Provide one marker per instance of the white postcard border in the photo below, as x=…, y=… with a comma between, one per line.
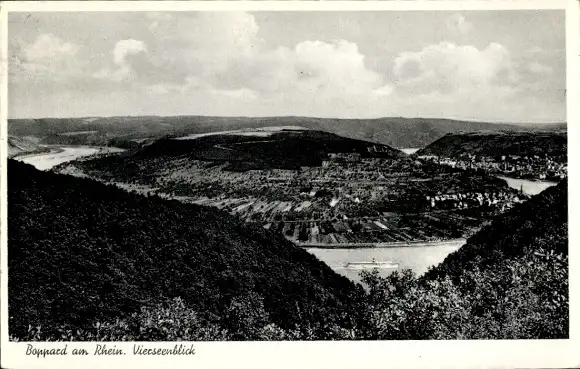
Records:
x=364, y=354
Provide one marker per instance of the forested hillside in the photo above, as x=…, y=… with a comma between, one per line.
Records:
x=82, y=252
x=286, y=149
x=540, y=223
x=495, y=144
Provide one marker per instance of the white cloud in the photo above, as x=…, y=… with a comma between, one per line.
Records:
x=48, y=56
x=472, y=83
x=216, y=63
x=385, y=90
x=124, y=48
x=48, y=46
x=124, y=69
x=335, y=67
x=448, y=68
x=312, y=68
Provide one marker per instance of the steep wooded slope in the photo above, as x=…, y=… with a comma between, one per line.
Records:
x=80, y=252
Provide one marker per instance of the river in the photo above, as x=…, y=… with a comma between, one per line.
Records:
x=527, y=186
x=62, y=154
x=416, y=258
x=410, y=151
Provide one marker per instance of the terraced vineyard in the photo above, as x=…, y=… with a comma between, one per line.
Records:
x=386, y=228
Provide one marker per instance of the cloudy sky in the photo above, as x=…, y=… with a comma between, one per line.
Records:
x=478, y=65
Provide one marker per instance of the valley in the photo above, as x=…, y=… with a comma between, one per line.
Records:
x=341, y=199
x=354, y=206
x=346, y=200
x=315, y=188
x=110, y=266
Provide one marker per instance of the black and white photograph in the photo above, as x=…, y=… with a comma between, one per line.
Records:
x=264, y=175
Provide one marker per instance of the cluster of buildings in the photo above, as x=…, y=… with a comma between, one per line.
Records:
x=500, y=200
x=345, y=182
x=529, y=167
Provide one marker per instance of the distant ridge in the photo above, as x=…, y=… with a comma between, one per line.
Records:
x=396, y=132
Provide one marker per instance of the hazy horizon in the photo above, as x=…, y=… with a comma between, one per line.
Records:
x=291, y=116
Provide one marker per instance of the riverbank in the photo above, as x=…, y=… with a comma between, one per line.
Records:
x=40, y=151
x=399, y=244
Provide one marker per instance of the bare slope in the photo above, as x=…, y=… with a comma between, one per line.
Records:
x=20, y=145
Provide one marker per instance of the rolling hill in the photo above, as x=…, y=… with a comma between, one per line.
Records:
x=123, y=131
x=118, y=253
x=261, y=149
x=487, y=143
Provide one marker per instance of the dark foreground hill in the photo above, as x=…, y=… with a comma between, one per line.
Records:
x=487, y=143
x=81, y=252
x=122, y=131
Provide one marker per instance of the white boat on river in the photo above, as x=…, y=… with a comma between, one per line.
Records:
x=349, y=262
x=371, y=265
